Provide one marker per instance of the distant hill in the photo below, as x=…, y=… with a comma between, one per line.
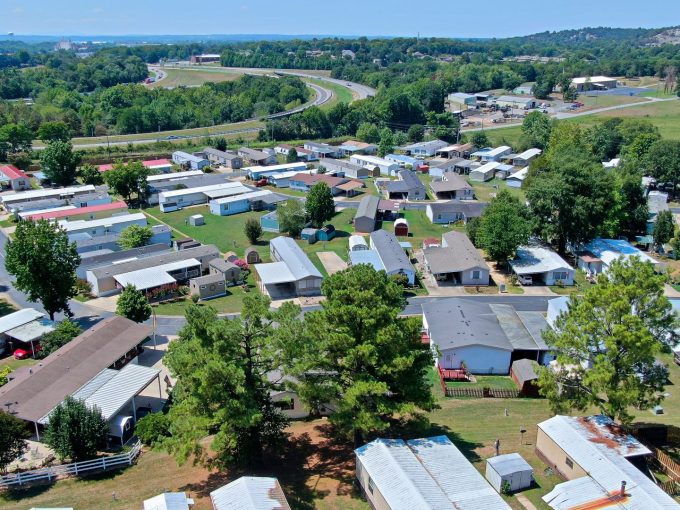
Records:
x=172, y=39
x=588, y=35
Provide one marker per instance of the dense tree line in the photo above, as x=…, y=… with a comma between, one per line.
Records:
x=63, y=70
x=133, y=108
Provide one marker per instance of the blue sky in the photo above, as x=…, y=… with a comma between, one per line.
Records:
x=453, y=18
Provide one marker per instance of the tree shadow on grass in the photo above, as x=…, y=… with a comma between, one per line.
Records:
x=31, y=491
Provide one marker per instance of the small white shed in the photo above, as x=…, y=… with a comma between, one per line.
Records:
x=510, y=468
x=357, y=243
x=196, y=220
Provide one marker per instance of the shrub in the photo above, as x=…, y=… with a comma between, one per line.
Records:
x=153, y=428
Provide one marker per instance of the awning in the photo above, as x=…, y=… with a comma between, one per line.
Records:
x=31, y=331
x=274, y=273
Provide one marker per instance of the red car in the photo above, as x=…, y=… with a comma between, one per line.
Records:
x=261, y=182
x=26, y=353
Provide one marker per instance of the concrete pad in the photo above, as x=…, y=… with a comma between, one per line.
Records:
x=108, y=303
x=331, y=262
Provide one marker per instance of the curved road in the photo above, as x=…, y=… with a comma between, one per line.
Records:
x=322, y=96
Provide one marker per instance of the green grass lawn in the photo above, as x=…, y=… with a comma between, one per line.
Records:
x=500, y=382
x=340, y=94
x=580, y=283
x=483, y=190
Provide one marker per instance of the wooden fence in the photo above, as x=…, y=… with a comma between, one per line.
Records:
x=481, y=392
x=49, y=474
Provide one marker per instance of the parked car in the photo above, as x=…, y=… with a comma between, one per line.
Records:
x=261, y=182
x=525, y=280
x=26, y=353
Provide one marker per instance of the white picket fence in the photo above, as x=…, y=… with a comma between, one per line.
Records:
x=76, y=468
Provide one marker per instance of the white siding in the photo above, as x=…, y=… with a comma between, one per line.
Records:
x=477, y=358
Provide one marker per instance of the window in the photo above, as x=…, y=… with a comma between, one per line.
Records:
x=560, y=275
x=202, y=286
x=569, y=463
x=371, y=486
x=475, y=275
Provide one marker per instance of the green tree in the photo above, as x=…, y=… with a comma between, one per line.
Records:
x=319, y=204
x=59, y=162
x=504, y=225
x=479, y=139
x=133, y=304
x=400, y=138
x=44, y=264
x=135, y=236
x=536, y=129
x=365, y=360
x=571, y=199
x=292, y=217
x=76, y=431
x=607, y=344
x=632, y=208
x=415, y=133
x=221, y=143
x=53, y=131
x=604, y=139
x=368, y=132
x=127, y=179
x=4, y=373
x=663, y=162
x=153, y=428
x=253, y=230
x=222, y=388
x=13, y=435
x=15, y=138
x=90, y=174
x=664, y=228
x=472, y=230
x=386, y=143
x=65, y=331
x=292, y=155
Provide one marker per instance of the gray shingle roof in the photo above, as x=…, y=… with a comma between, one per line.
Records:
x=459, y=255
x=523, y=370
x=220, y=154
x=156, y=260
x=453, y=182
x=391, y=253
x=470, y=208
x=368, y=207
x=407, y=182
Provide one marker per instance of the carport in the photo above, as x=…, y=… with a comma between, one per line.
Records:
x=276, y=280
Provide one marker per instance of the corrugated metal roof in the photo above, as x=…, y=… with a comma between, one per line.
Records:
x=31, y=330
x=609, y=250
x=601, y=450
x=253, y=195
x=154, y=276
x=369, y=257
x=400, y=477
x=113, y=395
x=45, y=193
x=297, y=261
x=534, y=259
x=173, y=176
x=509, y=463
x=274, y=273
x=463, y=485
x=221, y=187
x=517, y=333
x=169, y=501
x=95, y=383
x=74, y=226
x=19, y=318
x=250, y=493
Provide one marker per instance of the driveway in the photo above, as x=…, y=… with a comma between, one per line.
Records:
x=331, y=262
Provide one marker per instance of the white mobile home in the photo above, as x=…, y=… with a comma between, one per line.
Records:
x=485, y=172
x=543, y=265
x=189, y=160
x=371, y=162
x=103, y=226
x=176, y=199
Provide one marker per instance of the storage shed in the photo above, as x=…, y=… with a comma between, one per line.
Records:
x=401, y=227
x=357, y=243
x=208, y=286
x=309, y=235
x=196, y=220
x=511, y=469
x=523, y=373
x=326, y=233
x=252, y=256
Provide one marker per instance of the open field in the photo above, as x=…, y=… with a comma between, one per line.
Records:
x=593, y=102
x=193, y=78
x=665, y=115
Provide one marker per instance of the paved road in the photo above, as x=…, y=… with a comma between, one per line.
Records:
x=322, y=96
